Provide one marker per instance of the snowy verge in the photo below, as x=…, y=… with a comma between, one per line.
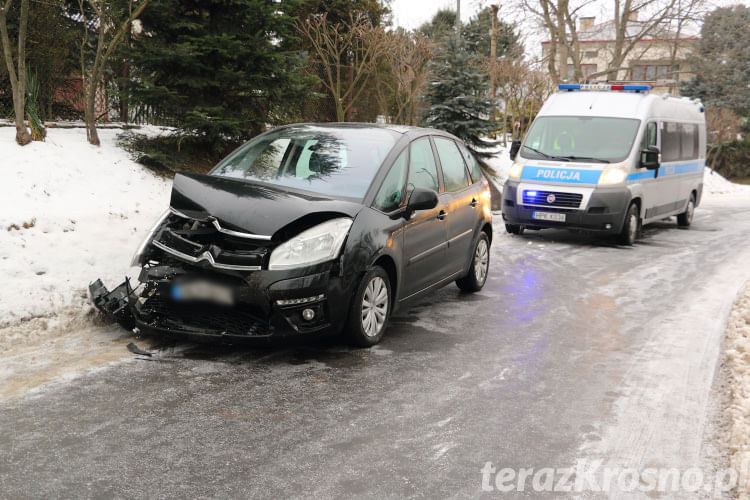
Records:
x=738, y=360
x=69, y=213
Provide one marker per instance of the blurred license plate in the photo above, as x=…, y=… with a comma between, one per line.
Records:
x=551, y=216
x=203, y=291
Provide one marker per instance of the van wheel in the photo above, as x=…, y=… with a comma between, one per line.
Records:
x=480, y=264
x=514, y=229
x=686, y=218
x=630, y=228
x=370, y=309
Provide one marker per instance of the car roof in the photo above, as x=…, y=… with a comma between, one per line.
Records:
x=400, y=129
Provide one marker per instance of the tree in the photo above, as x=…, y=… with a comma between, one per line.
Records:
x=400, y=84
x=722, y=61
x=222, y=70
x=112, y=21
x=17, y=67
x=348, y=54
x=457, y=97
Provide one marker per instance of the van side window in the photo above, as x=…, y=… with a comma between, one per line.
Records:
x=649, y=136
x=670, y=141
x=679, y=141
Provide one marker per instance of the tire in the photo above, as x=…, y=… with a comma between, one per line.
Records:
x=514, y=229
x=479, y=267
x=630, y=227
x=366, y=325
x=686, y=218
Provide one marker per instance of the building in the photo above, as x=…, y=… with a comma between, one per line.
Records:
x=650, y=61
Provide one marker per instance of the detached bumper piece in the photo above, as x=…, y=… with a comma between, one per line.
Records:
x=115, y=304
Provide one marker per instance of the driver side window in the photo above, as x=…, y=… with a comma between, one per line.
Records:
x=423, y=169
x=649, y=135
x=390, y=195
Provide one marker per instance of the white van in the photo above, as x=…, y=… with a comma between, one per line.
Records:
x=607, y=158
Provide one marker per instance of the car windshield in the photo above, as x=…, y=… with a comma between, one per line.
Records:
x=580, y=138
x=324, y=160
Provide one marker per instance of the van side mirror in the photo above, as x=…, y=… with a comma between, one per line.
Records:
x=514, y=147
x=421, y=199
x=650, y=158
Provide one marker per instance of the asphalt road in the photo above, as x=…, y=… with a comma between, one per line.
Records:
x=576, y=348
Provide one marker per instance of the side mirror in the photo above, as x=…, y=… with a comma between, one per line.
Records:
x=650, y=158
x=422, y=199
x=514, y=147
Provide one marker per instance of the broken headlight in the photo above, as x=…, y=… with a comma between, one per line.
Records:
x=313, y=246
x=137, y=259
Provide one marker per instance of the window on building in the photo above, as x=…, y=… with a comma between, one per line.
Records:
x=587, y=69
x=652, y=72
x=589, y=54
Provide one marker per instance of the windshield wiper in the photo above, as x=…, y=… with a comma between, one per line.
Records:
x=550, y=157
x=586, y=158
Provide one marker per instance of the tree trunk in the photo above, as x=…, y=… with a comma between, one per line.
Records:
x=17, y=79
x=89, y=113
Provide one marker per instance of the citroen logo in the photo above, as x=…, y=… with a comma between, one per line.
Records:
x=550, y=198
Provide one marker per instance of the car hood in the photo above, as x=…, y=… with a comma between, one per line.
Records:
x=250, y=207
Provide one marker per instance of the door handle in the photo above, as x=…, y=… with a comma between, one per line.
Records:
x=473, y=203
x=442, y=215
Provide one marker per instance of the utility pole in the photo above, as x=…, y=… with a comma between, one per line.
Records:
x=493, y=61
x=458, y=20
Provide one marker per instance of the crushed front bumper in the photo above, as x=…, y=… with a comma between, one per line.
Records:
x=267, y=305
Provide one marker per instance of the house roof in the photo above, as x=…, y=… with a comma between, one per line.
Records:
x=607, y=32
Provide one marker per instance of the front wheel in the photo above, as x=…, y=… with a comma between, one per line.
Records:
x=630, y=228
x=480, y=263
x=370, y=308
x=686, y=218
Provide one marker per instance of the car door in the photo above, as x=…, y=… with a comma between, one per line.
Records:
x=425, y=237
x=462, y=200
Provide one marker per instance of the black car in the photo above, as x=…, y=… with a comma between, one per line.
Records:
x=307, y=229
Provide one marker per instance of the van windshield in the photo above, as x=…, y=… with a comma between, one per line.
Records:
x=580, y=138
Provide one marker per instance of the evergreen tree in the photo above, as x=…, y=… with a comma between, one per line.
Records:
x=223, y=69
x=457, y=97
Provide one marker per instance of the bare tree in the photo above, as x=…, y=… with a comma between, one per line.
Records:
x=348, y=54
x=17, y=78
x=112, y=26
x=399, y=87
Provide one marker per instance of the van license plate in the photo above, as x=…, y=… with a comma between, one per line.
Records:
x=551, y=216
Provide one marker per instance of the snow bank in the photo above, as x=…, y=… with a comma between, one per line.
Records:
x=715, y=183
x=738, y=359
x=69, y=213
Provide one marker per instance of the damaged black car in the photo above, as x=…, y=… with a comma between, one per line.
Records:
x=310, y=229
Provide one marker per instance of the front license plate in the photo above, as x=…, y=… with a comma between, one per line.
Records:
x=550, y=216
x=203, y=291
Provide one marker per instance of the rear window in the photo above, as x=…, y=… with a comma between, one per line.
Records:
x=329, y=161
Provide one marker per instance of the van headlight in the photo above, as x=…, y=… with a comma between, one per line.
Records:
x=313, y=246
x=614, y=175
x=516, y=170
x=137, y=259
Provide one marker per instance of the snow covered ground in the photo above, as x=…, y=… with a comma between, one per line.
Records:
x=69, y=213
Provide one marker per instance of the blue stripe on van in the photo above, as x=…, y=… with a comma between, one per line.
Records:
x=668, y=170
x=567, y=175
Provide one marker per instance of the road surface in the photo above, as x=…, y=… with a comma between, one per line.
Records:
x=577, y=348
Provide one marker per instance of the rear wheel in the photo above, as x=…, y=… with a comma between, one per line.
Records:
x=514, y=228
x=480, y=264
x=686, y=218
x=370, y=308
x=630, y=228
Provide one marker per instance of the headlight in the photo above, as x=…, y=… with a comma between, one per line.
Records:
x=138, y=257
x=614, y=175
x=515, y=170
x=318, y=244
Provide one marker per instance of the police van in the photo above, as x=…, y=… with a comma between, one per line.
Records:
x=607, y=158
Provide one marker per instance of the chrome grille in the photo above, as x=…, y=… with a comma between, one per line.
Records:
x=552, y=198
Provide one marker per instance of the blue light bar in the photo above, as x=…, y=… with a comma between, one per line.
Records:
x=602, y=86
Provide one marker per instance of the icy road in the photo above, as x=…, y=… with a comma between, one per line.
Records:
x=576, y=349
